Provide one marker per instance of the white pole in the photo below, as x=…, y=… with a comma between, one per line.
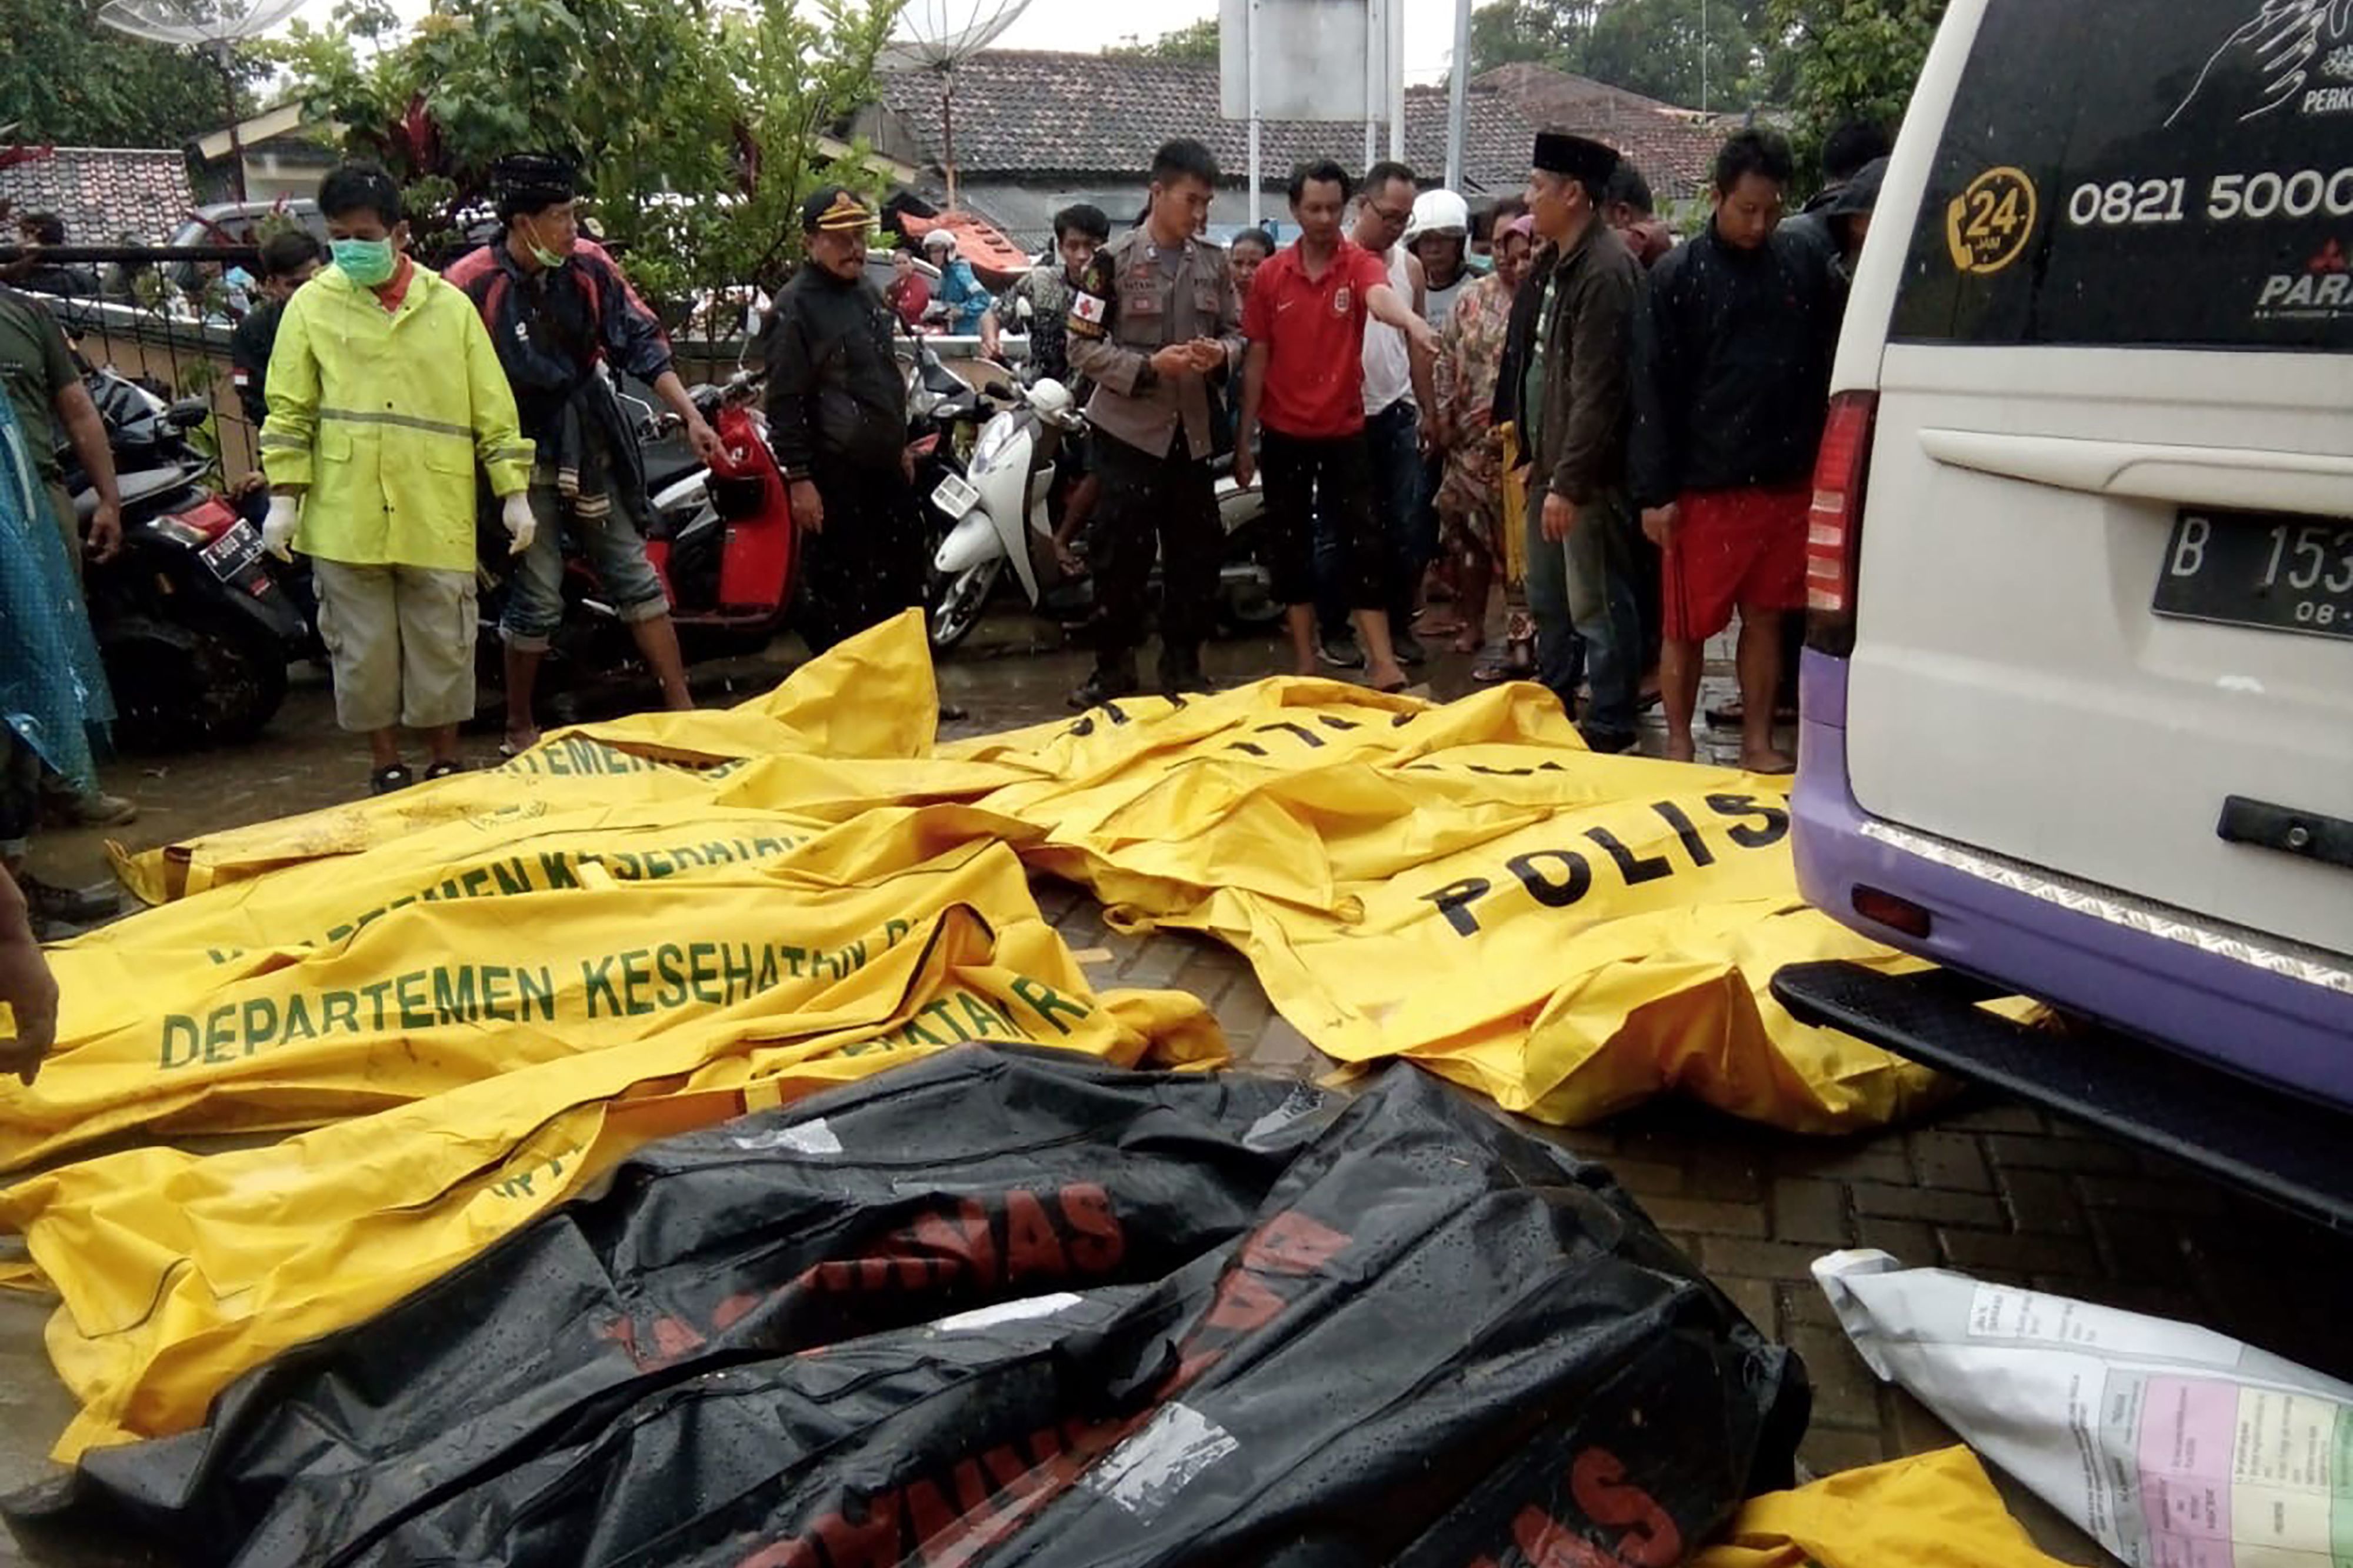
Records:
x=1458, y=96
x=1372, y=80
x=1249, y=46
x=1394, y=10
x=1703, y=56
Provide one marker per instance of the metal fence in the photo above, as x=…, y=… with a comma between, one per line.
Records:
x=169, y=326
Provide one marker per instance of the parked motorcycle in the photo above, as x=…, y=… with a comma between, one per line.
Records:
x=720, y=537
x=194, y=634
x=1007, y=487
x=996, y=513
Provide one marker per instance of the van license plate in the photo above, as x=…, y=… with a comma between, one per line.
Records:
x=953, y=497
x=2275, y=571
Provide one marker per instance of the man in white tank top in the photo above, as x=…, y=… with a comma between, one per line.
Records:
x=1398, y=388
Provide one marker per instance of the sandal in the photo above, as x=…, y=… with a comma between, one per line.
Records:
x=1732, y=714
x=443, y=770
x=1518, y=663
x=387, y=780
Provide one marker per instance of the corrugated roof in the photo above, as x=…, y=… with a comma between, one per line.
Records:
x=105, y=195
x=1031, y=115
x=1035, y=114
x=1674, y=148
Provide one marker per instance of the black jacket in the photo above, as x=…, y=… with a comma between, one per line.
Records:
x=1732, y=366
x=837, y=397
x=248, y=358
x=1579, y=450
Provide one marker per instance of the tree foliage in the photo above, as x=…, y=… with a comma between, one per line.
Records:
x=1649, y=47
x=66, y=78
x=1855, y=58
x=698, y=129
x=1196, y=43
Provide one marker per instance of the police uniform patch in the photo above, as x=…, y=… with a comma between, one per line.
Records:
x=1088, y=309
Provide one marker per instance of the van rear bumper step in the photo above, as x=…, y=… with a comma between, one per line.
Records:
x=2288, y=1149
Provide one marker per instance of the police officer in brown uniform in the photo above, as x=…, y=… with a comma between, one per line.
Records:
x=1156, y=326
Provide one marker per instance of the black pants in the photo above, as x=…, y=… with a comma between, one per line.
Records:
x=20, y=793
x=1148, y=508
x=868, y=564
x=1332, y=476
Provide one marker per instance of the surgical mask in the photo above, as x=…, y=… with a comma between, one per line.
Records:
x=367, y=262
x=551, y=260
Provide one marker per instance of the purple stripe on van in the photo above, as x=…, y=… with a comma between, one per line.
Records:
x=2272, y=1026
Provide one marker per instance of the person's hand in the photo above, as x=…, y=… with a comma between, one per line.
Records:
x=1659, y=522
x=26, y=986
x=1245, y=465
x=1559, y=516
x=1422, y=336
x=991, y=340
x=106, y=532
x=1067, y=557
x=254, y=480
x=703, y=438
x=808, y=507
x=278, y=526
x=1175, y=360
x=514, y=515
x=1480, y=421
x=1209, y=355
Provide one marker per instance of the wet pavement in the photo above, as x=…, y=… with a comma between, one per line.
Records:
x=1989, y=1186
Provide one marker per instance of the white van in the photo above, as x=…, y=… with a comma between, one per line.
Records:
x=2078, y=695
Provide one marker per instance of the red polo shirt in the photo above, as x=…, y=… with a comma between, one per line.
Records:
x=1314, y=331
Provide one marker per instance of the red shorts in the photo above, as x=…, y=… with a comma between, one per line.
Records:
x=1741, y=547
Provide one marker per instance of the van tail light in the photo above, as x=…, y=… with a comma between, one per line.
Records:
x=1834, y=522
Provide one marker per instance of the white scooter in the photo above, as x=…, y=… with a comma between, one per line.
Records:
x=996, y=508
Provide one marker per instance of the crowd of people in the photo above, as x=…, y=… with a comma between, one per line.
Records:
x=1613, y=429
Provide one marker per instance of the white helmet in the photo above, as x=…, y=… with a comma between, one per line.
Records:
x=1439, y=212
x=1052, y=400
x=939, y=240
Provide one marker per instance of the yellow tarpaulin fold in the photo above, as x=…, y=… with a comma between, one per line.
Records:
x=477, y=994
x=1933, y=1511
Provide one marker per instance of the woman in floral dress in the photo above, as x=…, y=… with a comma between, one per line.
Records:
x=1470, y=498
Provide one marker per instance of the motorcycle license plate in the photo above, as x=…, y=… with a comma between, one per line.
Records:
x=234, y=551
x=953, y=496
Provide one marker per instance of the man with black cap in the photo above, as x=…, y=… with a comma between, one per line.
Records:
x=1565, y=385
x=837, y=420
x=557, y=306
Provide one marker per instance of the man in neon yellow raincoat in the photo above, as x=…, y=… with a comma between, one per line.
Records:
x=384, y=391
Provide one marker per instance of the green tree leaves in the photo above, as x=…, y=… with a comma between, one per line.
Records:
x=698, y=127
x=69, y=79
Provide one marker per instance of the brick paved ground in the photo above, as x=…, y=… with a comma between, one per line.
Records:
x=1989, y=1185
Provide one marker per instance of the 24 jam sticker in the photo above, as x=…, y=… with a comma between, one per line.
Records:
x=1987, y=225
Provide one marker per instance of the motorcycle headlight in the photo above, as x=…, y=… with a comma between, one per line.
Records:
x=993, y=441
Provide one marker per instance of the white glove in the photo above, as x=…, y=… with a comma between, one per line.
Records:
x=521, y=527
x=278, y=526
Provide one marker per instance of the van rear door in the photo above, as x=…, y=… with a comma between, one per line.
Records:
x=2106, y=580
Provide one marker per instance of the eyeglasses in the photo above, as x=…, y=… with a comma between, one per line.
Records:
x=1395, y=217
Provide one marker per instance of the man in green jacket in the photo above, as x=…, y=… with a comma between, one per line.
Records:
x=384, y=391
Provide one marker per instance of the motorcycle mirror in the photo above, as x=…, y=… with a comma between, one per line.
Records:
x=188, y=413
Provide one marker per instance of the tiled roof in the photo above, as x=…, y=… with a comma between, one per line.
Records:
x=1674, y=148
x=105, y=195
x=1036, y=114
